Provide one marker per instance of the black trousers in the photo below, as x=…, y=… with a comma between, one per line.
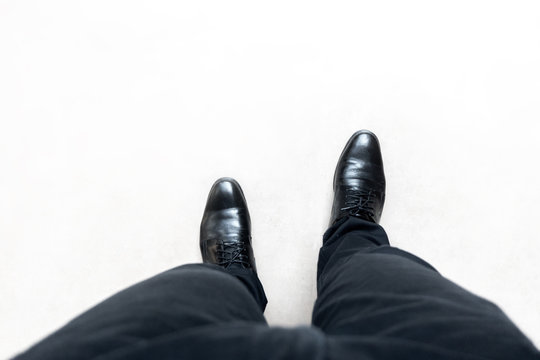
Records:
x=374, y=302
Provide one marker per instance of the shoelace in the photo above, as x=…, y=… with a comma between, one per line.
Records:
x=232, y=253
x=359, y=203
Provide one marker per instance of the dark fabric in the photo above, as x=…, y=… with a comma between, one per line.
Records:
x=386, y=303
x=251, y=282
x=374, y=302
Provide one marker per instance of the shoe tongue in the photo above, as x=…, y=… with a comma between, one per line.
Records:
x=364, y=216
x=235, y=266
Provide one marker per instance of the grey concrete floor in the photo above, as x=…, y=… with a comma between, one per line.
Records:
x=117, y=117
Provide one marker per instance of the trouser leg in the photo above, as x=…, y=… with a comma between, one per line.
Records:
x=188, y=297
x=379, y=301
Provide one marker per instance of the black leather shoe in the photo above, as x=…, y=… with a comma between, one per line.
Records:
x=359, y=183
x=226, y=227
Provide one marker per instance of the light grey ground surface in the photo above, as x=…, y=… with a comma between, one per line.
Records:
x=117, y=117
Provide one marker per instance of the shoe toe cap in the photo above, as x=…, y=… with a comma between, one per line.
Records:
x=361, y=159
x=364, y=145
x=226, y=193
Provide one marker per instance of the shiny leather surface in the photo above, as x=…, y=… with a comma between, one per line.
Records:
x=225, y=236
x=359, y=182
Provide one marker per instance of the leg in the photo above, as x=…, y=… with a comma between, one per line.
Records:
x=186, y=298
x=199, y=311
x=379, y=302
x=196, y=311
x=383, y=302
